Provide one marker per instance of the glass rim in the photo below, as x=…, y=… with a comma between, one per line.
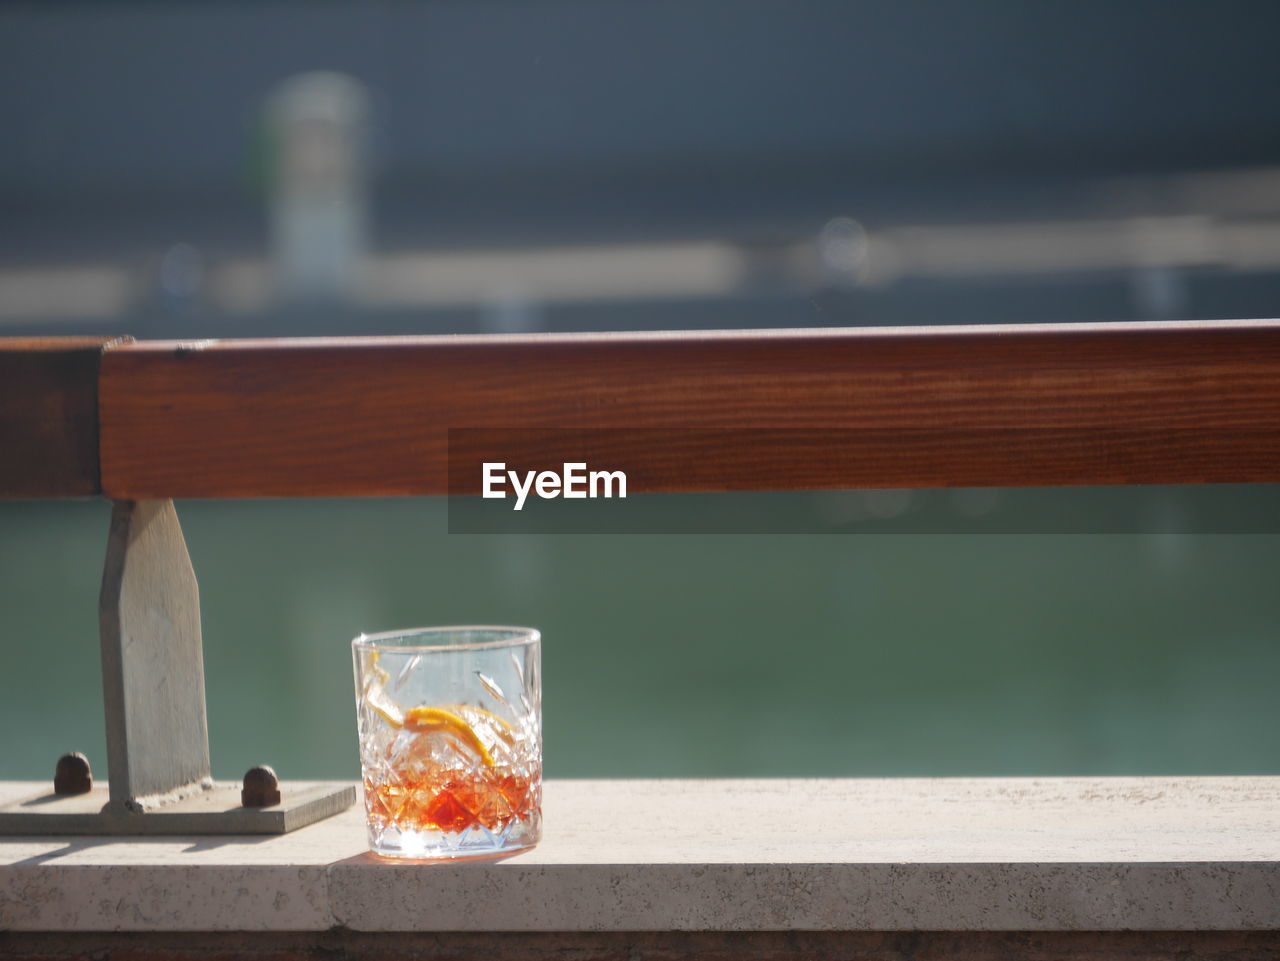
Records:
x=522, y=637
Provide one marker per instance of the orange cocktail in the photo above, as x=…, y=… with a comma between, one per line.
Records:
x=459, y=779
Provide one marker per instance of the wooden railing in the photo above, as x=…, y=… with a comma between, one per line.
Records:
x=876, y=407
x=1134, y=403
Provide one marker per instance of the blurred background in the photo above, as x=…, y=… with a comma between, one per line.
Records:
x=219, y=169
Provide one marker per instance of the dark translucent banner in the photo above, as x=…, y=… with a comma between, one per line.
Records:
x=724, y=481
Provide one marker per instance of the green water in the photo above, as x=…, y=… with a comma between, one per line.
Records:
x=709, y=655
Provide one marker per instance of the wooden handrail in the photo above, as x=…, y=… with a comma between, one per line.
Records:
x=49, y=416
x=890, y=407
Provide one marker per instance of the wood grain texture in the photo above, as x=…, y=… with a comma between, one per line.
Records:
x=49, y=416
x=949, y=406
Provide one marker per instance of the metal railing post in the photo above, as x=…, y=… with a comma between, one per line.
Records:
x=153, y=693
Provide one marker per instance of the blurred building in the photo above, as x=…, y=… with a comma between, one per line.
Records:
x=552, y=164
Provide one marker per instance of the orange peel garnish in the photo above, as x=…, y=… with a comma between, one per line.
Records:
x=383, y=713
x=502, y=727
x=423, y=719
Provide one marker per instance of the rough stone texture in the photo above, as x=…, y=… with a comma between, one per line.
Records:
x=1174, y=854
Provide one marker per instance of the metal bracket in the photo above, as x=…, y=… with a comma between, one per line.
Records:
x=153, y=691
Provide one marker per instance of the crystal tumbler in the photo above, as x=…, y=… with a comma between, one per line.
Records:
x=450, y=723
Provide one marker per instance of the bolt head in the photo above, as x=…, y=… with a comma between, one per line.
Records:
x=261, y=788
x=72, y=775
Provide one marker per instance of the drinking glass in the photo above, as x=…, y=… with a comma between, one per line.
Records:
x=450, y=722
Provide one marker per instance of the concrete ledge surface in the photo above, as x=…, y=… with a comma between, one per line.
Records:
x=341, y=945
x=1070, y=854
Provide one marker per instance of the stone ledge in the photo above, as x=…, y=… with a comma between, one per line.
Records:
x=648, y=946
x=1087, y=854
